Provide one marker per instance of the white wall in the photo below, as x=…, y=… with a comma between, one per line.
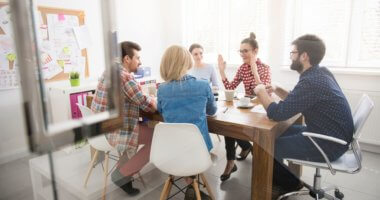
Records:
x=154, y=25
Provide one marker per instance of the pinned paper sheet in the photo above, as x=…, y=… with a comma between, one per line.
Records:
x=5, y=23
x=66, y=50
x=61, y=63
x=82, y=35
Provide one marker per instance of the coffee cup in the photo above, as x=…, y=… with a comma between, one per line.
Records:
x=229, y=95
x=244, y=101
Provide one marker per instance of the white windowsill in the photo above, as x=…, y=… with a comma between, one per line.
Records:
x=346, y=71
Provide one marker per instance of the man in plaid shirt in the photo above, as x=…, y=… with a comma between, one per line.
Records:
x=127, y=139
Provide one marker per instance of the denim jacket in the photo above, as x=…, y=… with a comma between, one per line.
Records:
x=187, y=101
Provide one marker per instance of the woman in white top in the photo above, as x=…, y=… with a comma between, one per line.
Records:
x=202, y=70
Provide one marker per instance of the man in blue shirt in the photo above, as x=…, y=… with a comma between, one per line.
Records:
x=321, y=101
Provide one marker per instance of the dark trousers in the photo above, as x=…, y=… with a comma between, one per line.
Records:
x=230, y=146
x=292, y=144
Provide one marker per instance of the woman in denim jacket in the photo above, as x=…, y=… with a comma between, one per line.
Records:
x=182, y=98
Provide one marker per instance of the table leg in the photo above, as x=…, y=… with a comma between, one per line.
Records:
x=262, y=167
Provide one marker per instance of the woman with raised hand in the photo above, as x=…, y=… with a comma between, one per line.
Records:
x=252, y=72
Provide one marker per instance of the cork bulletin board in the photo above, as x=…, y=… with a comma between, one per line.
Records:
x=60, y=52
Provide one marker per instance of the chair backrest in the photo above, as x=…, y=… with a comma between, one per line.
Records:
x=99, y=142
x=361, y=113
x=179, y=149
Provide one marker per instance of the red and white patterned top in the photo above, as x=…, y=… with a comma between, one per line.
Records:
x=244, y=74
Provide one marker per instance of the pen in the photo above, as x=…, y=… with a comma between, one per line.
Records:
x=225, y=110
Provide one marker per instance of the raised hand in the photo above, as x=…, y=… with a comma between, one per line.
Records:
x=253, y=60
x=221, y=63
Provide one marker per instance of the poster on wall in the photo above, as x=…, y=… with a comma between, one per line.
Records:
x=8, y=61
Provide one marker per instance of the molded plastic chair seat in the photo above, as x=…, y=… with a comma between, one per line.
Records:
x=179, y=149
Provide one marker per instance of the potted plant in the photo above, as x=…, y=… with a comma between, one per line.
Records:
x=74, y=79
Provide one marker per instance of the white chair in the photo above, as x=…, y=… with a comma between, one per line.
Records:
x=100, y=144
x=350, y=162
x=178, y=149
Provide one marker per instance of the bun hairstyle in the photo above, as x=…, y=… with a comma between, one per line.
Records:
x=251, y=40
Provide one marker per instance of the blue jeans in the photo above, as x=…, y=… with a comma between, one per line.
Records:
x=292, y=144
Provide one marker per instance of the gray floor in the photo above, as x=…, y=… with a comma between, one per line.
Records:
x=15, y=182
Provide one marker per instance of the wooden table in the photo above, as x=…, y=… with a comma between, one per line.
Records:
x=252, y=126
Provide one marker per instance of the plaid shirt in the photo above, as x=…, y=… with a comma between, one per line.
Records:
x=125, y=138
x=245, y=74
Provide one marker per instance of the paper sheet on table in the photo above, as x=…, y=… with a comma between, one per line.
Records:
x=259, y=109
x=82, y=36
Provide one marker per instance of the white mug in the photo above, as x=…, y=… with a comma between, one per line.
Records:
x=244, y=101
x=229, y=95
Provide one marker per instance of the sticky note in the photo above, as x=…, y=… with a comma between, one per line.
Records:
x=61, y=17
x=11, y=56
x=66, y=50
x=61, y=63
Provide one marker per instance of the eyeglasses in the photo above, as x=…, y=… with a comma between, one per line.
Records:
x=293, y=52
x=244, y=51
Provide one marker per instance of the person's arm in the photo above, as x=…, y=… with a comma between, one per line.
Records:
x=298, y=100
x=133, y=92
x=281, y=92
x=263, y=95
x=235, y=82
x=210, y=105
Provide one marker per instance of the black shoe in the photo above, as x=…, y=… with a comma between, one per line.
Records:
x=225, y=177
x=243, y=157
x=124, y=182
x=190, y=193
x=204, y=196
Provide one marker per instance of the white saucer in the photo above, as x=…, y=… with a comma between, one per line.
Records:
x=250, y=105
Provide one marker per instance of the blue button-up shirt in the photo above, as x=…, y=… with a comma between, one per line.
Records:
x=187, y=101
x=321, y=101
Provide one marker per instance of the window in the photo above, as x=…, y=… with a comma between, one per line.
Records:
x=350, y=29
x=220, y=25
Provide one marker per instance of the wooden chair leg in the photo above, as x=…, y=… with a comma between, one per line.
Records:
x=196, y=188
x=169, y=186
x=164, y=190
x=207, y=186
x=141, y=179
x=90, y=167
x=105, y=176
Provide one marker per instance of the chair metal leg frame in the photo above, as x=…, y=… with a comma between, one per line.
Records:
x=196, y=183
x=316, y=191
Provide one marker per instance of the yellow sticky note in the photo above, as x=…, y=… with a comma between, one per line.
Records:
x=66, y=50
x=61, y=63
x=11, y=56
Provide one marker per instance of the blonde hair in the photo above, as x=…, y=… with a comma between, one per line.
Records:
x=175, y=62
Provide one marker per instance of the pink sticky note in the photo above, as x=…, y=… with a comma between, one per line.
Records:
x=61, y=17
